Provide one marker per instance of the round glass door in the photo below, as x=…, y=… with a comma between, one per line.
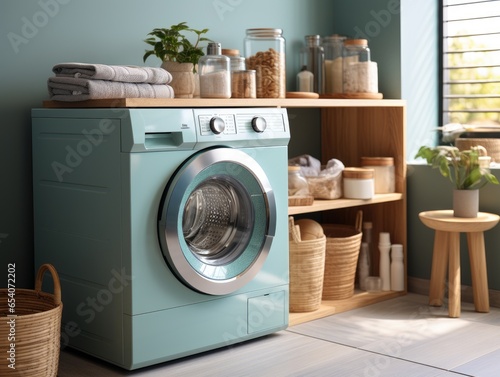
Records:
x=217, y=221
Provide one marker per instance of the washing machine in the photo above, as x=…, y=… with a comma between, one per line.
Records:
x=167, y=227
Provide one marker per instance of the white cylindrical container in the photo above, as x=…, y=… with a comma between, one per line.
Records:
x=397, y=268
x=305, y=80
x=363, y=266
x=358, y=183
x=384, y=246
x=384, y=173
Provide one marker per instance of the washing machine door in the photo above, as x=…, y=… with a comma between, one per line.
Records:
x=217, y=221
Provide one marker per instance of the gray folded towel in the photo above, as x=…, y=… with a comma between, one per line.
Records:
x=120, y=73
x=76, y=89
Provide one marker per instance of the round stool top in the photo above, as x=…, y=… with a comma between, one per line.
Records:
x=445, y=221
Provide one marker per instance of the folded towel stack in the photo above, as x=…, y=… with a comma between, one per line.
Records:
x=80, y=82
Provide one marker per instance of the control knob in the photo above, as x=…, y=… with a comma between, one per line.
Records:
x=217, y=125
x=259, y=124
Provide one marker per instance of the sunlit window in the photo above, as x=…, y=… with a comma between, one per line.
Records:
x=471, y=62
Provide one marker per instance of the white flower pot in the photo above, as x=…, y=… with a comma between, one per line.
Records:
x=465, y=203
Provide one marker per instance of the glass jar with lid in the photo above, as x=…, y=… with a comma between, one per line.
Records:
x=214, y=71
x=313, y=57
x=360, y=74
x=265, y=53
x=297, y=184
x=384, y=173
x=237, y=61
x=333, y=46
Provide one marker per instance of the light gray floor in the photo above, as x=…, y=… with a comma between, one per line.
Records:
x=399, y=337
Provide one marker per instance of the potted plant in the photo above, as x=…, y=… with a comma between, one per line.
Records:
x=178, y=55
x=468, y=170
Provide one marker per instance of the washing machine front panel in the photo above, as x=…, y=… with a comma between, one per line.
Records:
x=217, y=221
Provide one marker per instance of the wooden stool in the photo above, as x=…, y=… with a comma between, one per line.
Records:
x=447, y=253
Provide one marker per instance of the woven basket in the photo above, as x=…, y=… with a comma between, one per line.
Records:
x=35, y=323
x=307, y=263
x=343, y=243
x=492, y=146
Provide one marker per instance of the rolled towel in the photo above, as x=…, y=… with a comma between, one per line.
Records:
x=74, y=89
x=120, y=73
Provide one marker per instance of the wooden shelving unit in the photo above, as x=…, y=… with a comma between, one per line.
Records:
x=350, y=129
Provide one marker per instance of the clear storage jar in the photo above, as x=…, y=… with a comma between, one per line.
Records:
x=265, y=53
x=313, y=57
x=384, y=173
x=297, y=184
x=360, y=74
x=237, y=62
x=333, y=46
x=214, y=71
x=358, y=183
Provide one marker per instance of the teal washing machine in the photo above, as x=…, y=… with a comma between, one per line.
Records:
x=167, y=226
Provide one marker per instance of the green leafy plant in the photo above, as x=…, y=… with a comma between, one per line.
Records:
x=171, y=44
x=462, y=167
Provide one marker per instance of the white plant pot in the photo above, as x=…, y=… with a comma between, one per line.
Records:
x=465, y=203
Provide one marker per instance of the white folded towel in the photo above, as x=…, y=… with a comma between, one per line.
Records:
x=120, y=73
x=77, y=89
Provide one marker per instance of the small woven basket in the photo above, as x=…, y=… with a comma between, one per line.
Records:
x=30, y=330
x=307, y=263
x=343, y=243
x=492, y=146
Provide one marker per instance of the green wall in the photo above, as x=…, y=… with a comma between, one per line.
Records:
x=36, y=34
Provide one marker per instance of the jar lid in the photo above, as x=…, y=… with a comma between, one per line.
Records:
x=230, y=52
x=334, y=38
x=264, y=32
x=358, y=173
x=377, y=161
x=356, y=42
x=214, y=48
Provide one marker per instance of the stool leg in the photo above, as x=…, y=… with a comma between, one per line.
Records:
x=438, y=271
x=454, y=275
x=478, y=271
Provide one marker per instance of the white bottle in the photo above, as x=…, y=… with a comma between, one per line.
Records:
x=305, y=80
x=397, y=268
x=367, y=237
x=363, y=266
x=384, y=247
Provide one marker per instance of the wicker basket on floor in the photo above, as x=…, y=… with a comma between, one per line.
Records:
x=30, y=329
x=307, y=262
x=343, y=243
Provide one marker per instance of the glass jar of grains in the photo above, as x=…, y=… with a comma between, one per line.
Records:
x=359, y=73
x=265, y=53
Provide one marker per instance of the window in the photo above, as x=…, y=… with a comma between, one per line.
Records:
x=471, y=62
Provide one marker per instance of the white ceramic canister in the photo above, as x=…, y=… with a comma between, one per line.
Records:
x=358, y=183
x=384, y=173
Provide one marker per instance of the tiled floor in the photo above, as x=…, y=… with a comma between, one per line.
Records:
x=399, y=337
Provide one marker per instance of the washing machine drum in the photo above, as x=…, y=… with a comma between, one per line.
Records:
x=217, y=221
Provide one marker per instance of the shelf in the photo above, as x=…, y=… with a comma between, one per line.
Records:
x=218, y=102
x=325, y=205
x=330, y=307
